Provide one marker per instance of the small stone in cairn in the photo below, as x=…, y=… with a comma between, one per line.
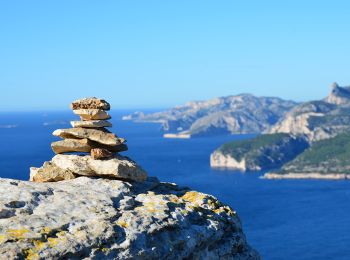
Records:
x=92, y=114
x=71, y=145
x=100, y=153
x=100, y=136
x=90, y=103
x=91, y=124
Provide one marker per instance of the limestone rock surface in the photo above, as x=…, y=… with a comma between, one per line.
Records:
x=88, y=218
x=92, y=114
x=318, y=119
x=91, y=134
x=115, y=167
x=220, y=160
x=71, y=145
x=99, y=153
x=90, y=103
x=91, y=124
x=83, y=145
x=49, y=172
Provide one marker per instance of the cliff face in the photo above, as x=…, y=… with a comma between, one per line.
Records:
x=111, y=219
x=233, y=114
x=339, y=95
x=260, y=153
x=318, y=120
x=325, y=159
x=220, y=160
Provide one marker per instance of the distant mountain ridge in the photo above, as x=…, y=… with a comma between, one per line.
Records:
x=240, y=114
x=320, y=119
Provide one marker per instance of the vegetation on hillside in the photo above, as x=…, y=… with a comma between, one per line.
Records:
x=266, y=151
x=325, y=156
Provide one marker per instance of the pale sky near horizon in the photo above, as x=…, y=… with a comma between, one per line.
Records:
x=144, y=54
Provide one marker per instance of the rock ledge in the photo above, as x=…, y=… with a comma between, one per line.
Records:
x=110, y=219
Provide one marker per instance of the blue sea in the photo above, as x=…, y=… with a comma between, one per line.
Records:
x=282, y=219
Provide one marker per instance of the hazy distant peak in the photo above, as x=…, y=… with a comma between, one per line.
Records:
x=319, y=119
x=334, y=85
x=243, y=113
x=338, y=95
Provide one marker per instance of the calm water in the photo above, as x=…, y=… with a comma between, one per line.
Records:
x=293, y=219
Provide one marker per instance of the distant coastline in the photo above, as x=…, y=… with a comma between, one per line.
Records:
x=8, y=126
x=179, y=136
x=306, y=175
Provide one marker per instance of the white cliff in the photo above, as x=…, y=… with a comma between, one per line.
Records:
x=220, y=160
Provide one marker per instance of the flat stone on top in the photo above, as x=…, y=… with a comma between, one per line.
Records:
x=90, y=103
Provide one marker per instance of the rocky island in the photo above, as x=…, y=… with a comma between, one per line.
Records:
x=260, y=153
x=239, y=114
x=97, y=204
x=322, y=125
x=325, y=159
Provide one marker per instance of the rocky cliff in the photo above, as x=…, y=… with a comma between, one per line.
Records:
x=325, y=159
x=260, y=153
x=320, y=119
x=95, y=218
x=233, y=114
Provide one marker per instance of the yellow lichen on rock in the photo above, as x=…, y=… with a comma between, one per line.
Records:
x=39, y=245
x=150, y=206
x=194, y=197
x=52, y=241
x=122, y=223
x=174, y=199
x=17, y=233
x=31, y=254
x=3, y=239
x=45, y=230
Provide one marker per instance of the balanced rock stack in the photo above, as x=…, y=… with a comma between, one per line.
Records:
x=89, y=135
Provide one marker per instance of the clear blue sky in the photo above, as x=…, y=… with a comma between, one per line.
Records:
x=163, y=53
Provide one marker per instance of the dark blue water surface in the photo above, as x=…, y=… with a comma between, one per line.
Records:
x=283, y=219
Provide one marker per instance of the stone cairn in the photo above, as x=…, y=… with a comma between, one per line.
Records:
x=89, y=135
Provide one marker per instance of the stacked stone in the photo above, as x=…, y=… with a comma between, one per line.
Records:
x=89, y=135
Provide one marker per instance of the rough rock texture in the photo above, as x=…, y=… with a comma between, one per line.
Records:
x=49, y=172
x=71, y=145
x=98, y=136
x=232, y=114
x=260, y=153
x=99, y=153
x=109, y=219
x=90, y=103
x=91, y=124
x=92, y=114
x=112, y=148
x=83, y=145
x=220, y=160
x=116, y=167
x=339, y=95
